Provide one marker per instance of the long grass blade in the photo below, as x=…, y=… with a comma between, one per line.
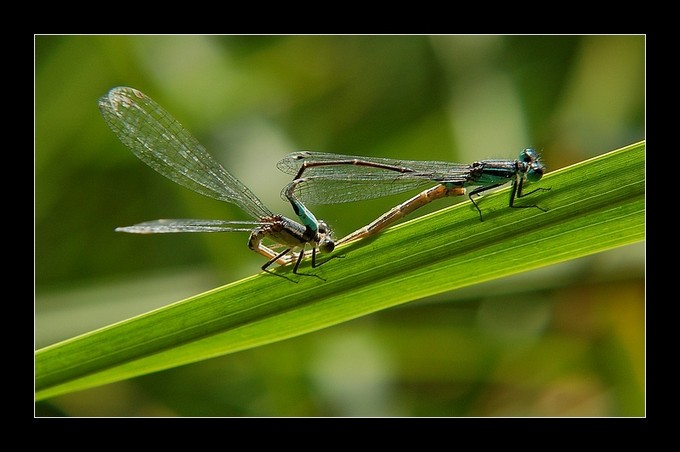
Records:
x=593, y=206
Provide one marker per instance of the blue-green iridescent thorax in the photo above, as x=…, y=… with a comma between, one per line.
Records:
x=490, y=172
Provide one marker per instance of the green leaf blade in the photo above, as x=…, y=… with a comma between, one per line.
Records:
x=592, y=206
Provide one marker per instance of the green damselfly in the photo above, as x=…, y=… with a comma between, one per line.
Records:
x=161, y=142
x=324, y=178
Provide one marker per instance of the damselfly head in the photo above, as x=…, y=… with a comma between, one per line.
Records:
x=535, y=172
x=326, y=244
x=535, y=167
x=528, y=155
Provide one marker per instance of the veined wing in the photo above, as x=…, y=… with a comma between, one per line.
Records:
x=161, y=142
x=333, y=190
x=190, y=225
x=336, y=178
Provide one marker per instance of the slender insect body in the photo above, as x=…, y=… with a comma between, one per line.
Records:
x=160, y=141
x=336, y=178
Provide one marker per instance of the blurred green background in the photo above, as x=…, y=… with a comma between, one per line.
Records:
x=567, y=340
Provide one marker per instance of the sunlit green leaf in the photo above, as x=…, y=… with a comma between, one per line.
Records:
x=592, y=206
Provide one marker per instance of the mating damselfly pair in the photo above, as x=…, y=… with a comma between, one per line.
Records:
x=160, y=141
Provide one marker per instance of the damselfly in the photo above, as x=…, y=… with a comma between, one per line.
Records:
x=323, y=178
x=161, y=142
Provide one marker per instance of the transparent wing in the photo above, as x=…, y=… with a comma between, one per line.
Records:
x=332, y=190
x=161, y=142
x=327, y=164
x=188, y=225
x=336, y=178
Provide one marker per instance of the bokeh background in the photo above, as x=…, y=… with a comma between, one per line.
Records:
x=567, y=340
